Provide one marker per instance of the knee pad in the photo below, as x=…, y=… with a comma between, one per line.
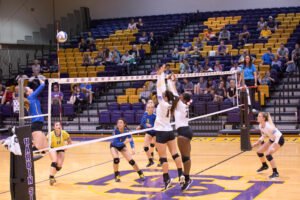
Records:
x=146, y=149
x=260, y=155
x=152, y=145
x=58, y=168
x=163, y=160
x=132, y=162
x=54, y=165
x=269, y=157
x=116, y=160
x=175, y=156
x=185, y=159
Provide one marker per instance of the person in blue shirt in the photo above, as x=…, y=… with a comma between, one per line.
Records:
x=86, y=88
x=38, y=137
x=249, y=74
x=268, y=57
x=119, y=145
x=147, y=121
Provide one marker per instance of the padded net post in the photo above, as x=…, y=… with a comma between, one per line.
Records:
x=22, y=179
x=21, y=99
x=245, y=124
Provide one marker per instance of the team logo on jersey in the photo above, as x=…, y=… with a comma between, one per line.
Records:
x=234, y=187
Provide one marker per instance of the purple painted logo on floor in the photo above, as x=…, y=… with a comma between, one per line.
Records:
x=207, y=183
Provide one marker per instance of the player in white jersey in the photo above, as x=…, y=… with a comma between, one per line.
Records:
x=180, y=109
x=165, y=136
x=276, y=140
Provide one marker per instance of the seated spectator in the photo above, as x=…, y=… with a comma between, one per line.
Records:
x=186, y=45
x=188, y=86
x=268, y=57
x=196, y=53
x=207, y=66
x=91, y=46
x=261, y=24
x=82, y=45
x=56, y=95
x=144, y=38
x=115, y=56
x=235, y=66
x=209, y=35
x=185, y=67
x=220, y=92
x=134, y=52
x=152, y=40
x=200, y=87
x=224, y=34
x=2, y=90
x=222, y=49
x=266, y=80
x=186, y=54
x=276, y=64
x=197, y=44
x=99, y=59
x=167, y=70
x=107, y=56
x=90, y=38
x=272, y=24
x=218, y=66
x=54, y=66
x=86, y=88
x=145, y=95
x=77, y=99
x=45, y=68
x=15, y=100
x=154, y=70
x=131, y=25
x=283, y=53
x=196, y=68
x=296, y=57
x=175, y=55
x=140, y=23
x=86, y=61
x=127, y=60
x=210, y=85
x=36, y=68
x=245, y=34
x=231, y=92
x=265, y=33
x=7, y=97
x=240, y=43
x=245, y=53
x=290, y=66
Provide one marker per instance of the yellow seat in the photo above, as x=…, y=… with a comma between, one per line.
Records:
x=81, y=69
x=269, y=45
x=139, y=90
x=134, y=99
x=258, y=45
x=47, y=75
x=54, y=75
x=264, y=89
x=82, y=74
x=255, y=51
x=234, y=52
x=122, y=99
x=264, y=68
x=90, y=68
x=63, y=70
x=130, y=91
x=73, y=74
x=100, y=68
x=72, y=69
x=92, y=74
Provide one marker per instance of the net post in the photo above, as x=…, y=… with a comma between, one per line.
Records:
x=21, y=101
x=49, y=110
x=22, y=176
x=245, y=124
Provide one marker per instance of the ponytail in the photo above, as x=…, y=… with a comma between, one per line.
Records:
x=271, y=121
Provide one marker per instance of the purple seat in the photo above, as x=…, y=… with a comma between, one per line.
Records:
x=113, y=106
x=44, y=108
x=138, y=106
x=129, y=115
x=138, y=116
x=104, y=117
x=68, y=110
x=7, y=110
x=225, y=105
x=125, y=106
x=200, y=108
x=233, y=117
x=55, y=110
x=115, y=115
x=212, y=107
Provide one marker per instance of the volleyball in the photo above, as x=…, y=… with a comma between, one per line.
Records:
x=61, y=37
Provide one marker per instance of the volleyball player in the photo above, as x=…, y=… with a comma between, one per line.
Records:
x=38, y=137
x=119, y=145
x=58, y=138
x=276, y=141
x=165, y=136
x=147, y=121
x=180, y=109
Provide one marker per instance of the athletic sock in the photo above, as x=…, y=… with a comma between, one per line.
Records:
x=187, y=178
x=150, y=160
x=166, y=177
x=140, y=172
x=117, y=173
x=265, y=164
x=51, y=176
x=275, y=170
x=179, y=170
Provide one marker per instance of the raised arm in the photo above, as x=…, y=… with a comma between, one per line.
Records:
x=172, y=85
x=161, y=84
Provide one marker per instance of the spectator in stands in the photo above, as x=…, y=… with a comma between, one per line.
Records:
x=272, y=24
x=86, y=61
x=82, y=45
x=175, y=55
x=220, y=92
x=145, y=95
x=99, y=59
x=185, y=67
x=265, y=33
x=209, y=35
x=115, y=56
x=200, y=87
x=207, y=66
x=186, y=54
x=154, y=70
x=196, y=54
x=197, y=44
x=222, y=49
x=235, y=66
x=276, y=64
x=15, y=99
x=78, y=99
x=268, y=57
x=283, y=53
x=54, y=66
x=186, y=45
x=240, y=43
x=249, y=78
x=231, y=92
x=267, y=79
x=224, y=34
x=7, y=97
x=56, y=95
x=132, y=25
x=211, y=85
x=107, y=56
x=144, y=38
x=126, y=61
x=91, y=46
x=245, y=34
x=134, y=52
x=86, y=88
x=196, y=68
x=261, y=24
x=296, y=57
x=218, y=66
x=188, y=86
x=140, y=23
x=242, y=57
x=2, y=90
x=90, y=38
x=152, y=40
x=36, y=68
x=45, y=68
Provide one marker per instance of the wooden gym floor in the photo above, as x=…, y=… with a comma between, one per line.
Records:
x=219, y=171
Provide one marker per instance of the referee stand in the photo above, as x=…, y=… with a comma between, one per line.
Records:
x=245, y=123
